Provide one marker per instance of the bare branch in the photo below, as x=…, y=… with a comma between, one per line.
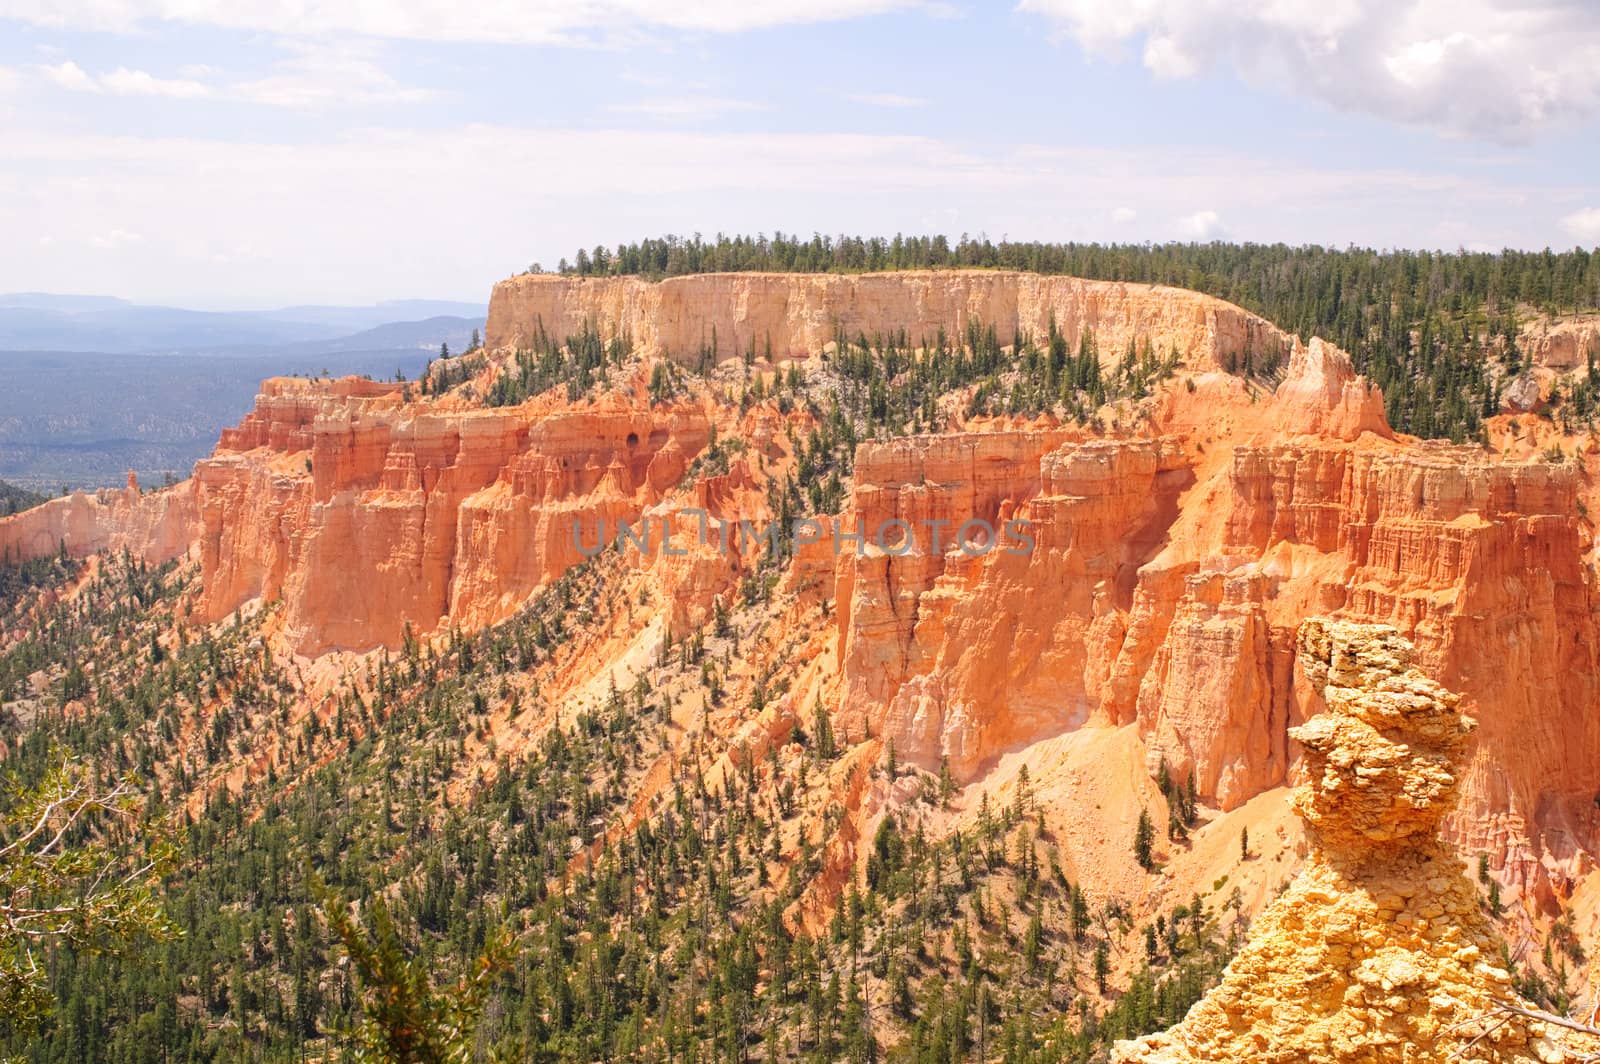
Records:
x=1547, y=1017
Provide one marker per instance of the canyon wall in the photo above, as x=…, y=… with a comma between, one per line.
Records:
x=1169, y=574
x=157, y=526
x=1166, y=570
x=1481, y=565
x=961, y=651
x=368, y=515
x=798, y=314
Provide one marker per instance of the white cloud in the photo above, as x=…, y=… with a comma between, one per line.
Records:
x=1494, y=69
x=686, y=108
x=122, y=82
x=1201, y=225
x=527, y=21
x=313, y=75
x=125, y=82
x=887, y=99
x=318, y=74
x=70, y=75
x=1584, y=224
x=116, y=238
x=1123, y=215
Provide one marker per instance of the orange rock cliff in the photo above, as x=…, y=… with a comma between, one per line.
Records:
x=367, y=514
x=1176, y=547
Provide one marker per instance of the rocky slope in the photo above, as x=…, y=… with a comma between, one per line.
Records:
x=1178, y=540
x=1379, y=951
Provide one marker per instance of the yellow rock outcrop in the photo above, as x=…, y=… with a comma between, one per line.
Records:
x=1378, y=951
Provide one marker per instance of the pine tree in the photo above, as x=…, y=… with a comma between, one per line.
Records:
x=79, y=872
x=826, y=749
x=1143, y=838
x=1032, y=942
x=1080, y=913
x=1024, y=795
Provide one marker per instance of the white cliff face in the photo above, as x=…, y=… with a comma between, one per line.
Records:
x=799, y=314
x=1561, y=346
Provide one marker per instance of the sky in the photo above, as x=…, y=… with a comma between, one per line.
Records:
x=252, y=153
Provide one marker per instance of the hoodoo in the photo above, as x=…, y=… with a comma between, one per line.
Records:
x=1379, y=951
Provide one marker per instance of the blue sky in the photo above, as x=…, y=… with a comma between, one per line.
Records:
x=262, y=152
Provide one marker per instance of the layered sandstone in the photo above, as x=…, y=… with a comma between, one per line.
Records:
x=797, y=315
x=1481, y=564
x=1379, y=950
x=1166, y=571
x=1169, y=575
x=961, y=651
x=157, y=526
x=368, y=515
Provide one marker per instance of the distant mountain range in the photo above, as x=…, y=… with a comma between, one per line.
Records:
x=36, y=321
x=96, y=385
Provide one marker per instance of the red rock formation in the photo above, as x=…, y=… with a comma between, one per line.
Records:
x=960, y=654
x=1215, y=699
x=367, y=515
x=1480, y=564
x=1379, y=950
x=1322, y=396
x=1167, y=590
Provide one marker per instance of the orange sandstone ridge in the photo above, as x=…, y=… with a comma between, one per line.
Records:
x=1172, y=571
x=402, y=515
x=1175, y=557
